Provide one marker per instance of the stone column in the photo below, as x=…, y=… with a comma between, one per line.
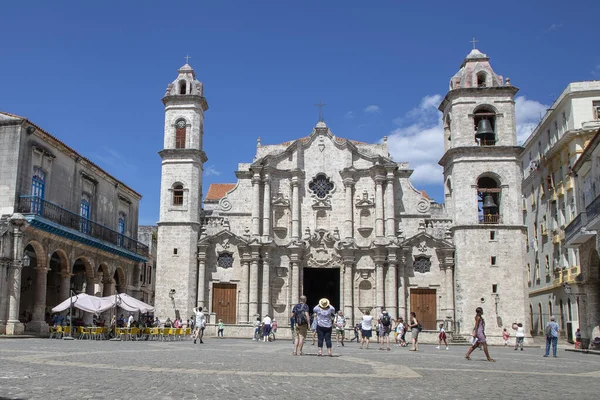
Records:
x=243, y=318
x=267, y=206
x=379, y=205
x=201, y=282
x=349, y=212
x=295, y=281
x=349, y=291
x=401, y=292
x=65, y=285
x=295, y=211
x=266, y=285
x=4, y=269
x=449, y=278
x=391, y=291
x=379, y=285
x=253, y=288
x=390, y=212
x=38, y=320
x=88, y=318
x=13, y=326
x=256, y=204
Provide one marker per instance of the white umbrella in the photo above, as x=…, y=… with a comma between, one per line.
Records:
x=85, y=302
x=128, y=303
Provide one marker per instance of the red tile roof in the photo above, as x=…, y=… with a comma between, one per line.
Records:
x=424, y=194
x=217, y=191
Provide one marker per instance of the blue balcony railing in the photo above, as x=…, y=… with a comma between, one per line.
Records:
x=593, y=209
x=34, y=205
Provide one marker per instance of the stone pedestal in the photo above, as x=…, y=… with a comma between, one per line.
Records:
x=14, y=328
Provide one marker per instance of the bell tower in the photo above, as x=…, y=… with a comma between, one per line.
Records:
x=482, y=178
x=180, y=196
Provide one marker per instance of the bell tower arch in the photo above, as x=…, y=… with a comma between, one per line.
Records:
x=481, y=160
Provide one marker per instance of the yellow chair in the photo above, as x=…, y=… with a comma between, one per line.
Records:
x=153, y=333
x=57, y=332
x=187, y=333
x=133, y=333
x=66, y=330
x=166, y=333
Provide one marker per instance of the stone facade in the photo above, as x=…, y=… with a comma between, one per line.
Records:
x=68, y=219
x=331, y=217
x=549, y=206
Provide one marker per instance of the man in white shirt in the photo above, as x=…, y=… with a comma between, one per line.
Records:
x=200, y=324
x=266, y=327
x=129, y=320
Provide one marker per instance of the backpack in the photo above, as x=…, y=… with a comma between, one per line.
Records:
x=386, y=320
x=299, y=316
x=548, y=330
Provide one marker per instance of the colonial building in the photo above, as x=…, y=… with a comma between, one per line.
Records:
x=66, y=227
x=582, y=234
x=327, y=216
x=550, y=205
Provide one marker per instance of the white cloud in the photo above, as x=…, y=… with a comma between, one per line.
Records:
x=372, y=109
x=211, y=171
x=349, y=115
x=419, y=140
x=528, y=114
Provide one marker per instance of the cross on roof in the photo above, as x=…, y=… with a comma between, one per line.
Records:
x=474, y=42
x=187, y=59
x=320, y=105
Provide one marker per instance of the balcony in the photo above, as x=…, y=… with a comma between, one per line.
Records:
x=54, y=219
x=569, y=183
x=560, y=189
x=593, y=214
x=489, y=219
x=576, y=232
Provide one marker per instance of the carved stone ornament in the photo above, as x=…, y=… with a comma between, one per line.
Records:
x=225, y=204
x=422, y=247
x=280, y=200
x=423, y=206
x=364, y=201
x=422, y=264
x=323, y=258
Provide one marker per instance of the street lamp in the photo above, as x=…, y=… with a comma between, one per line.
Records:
x=26, y=260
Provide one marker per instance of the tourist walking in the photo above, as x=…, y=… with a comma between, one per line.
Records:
x=505, y=337
x=385, y=328
x=323, y=315
x=257, y=325
x=200, y=324
x=551, y=332
x=442, y=337
x=266, y=325
x=221, y=328
x=479, y=334
x=340, y=324
x=519, y=336
x=366, y=329
x=356, y=330
x=415, y=329
x=301, y=319
x=273, y=329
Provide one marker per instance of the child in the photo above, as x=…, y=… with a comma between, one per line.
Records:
x=257, y=325
x=578, y=338
x=442, y=337
x=400, y=331
x=505, y=336
x=221, y=326
x=356, y=330
x=520, y=336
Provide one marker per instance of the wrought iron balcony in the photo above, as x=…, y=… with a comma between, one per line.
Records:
x=576, y=232
x=593, y=213
x=35, y=206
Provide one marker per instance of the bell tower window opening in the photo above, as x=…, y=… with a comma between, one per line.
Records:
x=180, y=134
x=488, y=200
x=481, y=79
x=321, y=186
x=182, y=87
x=178, y=195
x=484, y=121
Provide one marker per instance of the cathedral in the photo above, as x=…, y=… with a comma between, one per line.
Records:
x=327, y=216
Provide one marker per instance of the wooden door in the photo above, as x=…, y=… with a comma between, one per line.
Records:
x=423, y=303
x=223, y=302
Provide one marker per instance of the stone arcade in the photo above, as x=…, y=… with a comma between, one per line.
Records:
x=331, y=217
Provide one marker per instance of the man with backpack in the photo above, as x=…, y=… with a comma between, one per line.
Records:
x=385, y=321
x=551, y=332
x=301, y=320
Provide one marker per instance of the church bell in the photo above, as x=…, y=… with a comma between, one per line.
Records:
x=484, y=130
x=488, y=204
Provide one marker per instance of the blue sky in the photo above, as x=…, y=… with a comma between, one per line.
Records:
x=93, y=73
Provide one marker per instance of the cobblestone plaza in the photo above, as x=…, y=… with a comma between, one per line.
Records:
x=236, y=369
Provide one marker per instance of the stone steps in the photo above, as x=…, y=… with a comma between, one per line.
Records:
x=458, y=339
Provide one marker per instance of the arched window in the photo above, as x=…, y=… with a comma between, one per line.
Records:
x=488, y=192
x=484, y=119
x=178, y=195
x=182, y=87
x=481, y=79
x=180, y=133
